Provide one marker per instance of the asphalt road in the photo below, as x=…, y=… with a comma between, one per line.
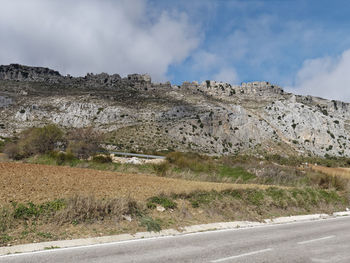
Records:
x=316, y=241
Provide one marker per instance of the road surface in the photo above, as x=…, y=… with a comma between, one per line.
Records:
x=314, y=241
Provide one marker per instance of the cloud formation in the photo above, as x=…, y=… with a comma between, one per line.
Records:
x=77, y=37
x=227, y=74
x=325, y=77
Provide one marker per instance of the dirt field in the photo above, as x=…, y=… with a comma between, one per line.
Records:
x=38, y=183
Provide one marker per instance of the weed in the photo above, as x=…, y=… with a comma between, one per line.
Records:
x=51, y=247
x=161, y=169
x=4, y=239
x=150, y=224
x=162, y=200
x=5, y=219
x=46, y=235
x=255, y=197
x=26, y=211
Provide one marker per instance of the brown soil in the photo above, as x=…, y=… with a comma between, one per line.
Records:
x=38, y=183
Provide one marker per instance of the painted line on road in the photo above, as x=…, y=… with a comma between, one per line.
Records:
x=315, y=240
x=242, y=255
x=179, y=235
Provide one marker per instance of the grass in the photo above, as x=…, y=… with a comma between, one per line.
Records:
x=263, y=201
x=150, y=224
x=331, y=161
x=162, y=200
x=236, y=173
x=338, y=171
x=90, y=216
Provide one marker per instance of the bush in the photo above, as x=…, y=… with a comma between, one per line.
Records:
x=62, y=157
x=40, y=140
x=35, y=141
x=102, y=159
x=192, y=161
x=161, y=169
x=84, y=142
x=13, y=151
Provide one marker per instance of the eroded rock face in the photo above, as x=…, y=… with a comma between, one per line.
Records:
x=25, y=73
x=210, y=117
x=5, y=101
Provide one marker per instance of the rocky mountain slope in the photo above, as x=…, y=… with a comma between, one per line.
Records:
x=210, y=117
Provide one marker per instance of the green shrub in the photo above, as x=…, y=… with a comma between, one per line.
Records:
x=150, y=224
x=29, y=210
x=235, y=173
x=26, y=211
x=162, y=200
x=35, y=141
x=192, y=161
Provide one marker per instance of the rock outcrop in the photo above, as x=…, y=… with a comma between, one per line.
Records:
x=209, y=117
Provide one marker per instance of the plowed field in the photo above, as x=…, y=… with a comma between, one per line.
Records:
x=38, y=183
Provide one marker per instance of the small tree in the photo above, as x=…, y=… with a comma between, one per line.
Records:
x=35, y=141
x=84, y=142
x=41, y=140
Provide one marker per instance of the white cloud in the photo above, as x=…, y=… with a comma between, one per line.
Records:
x=204, y=60
x=325, y=77
x=228, y=75
x=77, y=37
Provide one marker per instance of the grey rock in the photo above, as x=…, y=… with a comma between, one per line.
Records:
x=209, y=117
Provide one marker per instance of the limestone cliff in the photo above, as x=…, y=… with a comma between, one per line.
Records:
x=210, y=117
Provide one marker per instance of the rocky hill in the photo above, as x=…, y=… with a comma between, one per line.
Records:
x=209, y=117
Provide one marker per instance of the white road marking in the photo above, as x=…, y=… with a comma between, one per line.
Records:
x=179, y=235
x=242, y=255
x=314, y=240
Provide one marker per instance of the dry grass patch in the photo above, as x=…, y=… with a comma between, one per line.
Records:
x=343, y=172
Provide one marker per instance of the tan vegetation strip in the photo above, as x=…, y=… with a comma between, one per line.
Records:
x=38, y=183
x=343, y=172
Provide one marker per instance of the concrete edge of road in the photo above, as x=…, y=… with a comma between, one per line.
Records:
x=49, y=246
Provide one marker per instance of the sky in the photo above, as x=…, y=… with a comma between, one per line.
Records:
x=303, y=46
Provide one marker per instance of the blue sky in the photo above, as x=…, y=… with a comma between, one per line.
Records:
x=265, y=40
x=303, y=46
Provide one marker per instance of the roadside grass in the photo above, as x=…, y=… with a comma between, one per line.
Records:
x=81, y=216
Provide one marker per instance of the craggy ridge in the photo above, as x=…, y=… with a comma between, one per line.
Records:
x=209, y=117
